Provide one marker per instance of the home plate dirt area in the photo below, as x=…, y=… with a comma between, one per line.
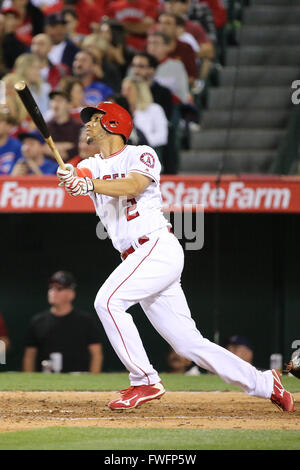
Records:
x=193, y=410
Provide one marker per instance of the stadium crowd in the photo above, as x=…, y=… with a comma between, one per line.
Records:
x=156, y=58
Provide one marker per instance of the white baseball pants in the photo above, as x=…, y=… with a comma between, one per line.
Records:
x=151, y=276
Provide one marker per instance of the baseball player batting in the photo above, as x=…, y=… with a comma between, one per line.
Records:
x=152, y=262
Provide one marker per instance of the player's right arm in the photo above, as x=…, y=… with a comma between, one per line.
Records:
x=131, y=186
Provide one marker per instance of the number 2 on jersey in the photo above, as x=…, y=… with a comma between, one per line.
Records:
x=131, y=211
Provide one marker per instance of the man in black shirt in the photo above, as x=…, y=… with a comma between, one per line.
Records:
x=65, y=330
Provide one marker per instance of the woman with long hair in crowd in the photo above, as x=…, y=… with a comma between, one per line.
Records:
x=28, y=68
x=148, y=116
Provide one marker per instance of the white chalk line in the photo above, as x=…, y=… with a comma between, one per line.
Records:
x=101, y=418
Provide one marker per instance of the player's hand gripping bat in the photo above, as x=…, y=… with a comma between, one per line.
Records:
x=37, y=117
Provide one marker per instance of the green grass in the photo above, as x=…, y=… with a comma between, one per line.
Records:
x=26, y=381
x=92, y=438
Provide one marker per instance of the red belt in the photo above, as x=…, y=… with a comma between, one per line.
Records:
x=141, y=241
x=131, y=249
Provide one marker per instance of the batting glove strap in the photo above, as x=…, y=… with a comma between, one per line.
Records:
x=79, y=186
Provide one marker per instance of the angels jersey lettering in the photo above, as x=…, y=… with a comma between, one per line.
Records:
x=128, y=219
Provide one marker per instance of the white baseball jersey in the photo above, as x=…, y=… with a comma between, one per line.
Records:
x=127, y=219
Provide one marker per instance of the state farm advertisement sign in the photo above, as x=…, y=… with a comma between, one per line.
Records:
x=230, y=194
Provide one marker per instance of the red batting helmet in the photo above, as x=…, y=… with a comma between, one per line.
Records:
x=115, y=119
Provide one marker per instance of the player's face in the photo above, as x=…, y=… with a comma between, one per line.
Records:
x=94, y=129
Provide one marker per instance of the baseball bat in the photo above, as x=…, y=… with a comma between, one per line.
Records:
x=37, y=117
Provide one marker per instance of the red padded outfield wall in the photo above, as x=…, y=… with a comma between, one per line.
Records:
x=245, y=193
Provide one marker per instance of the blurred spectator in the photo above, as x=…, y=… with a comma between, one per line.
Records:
x=28, y=68
x=41, y=46
x=71, y=19
x=86, y=11
x=85, y=150
x=218, y=10
x=11, y=45
x=74, y=89
x=117, y=52
x=62, y=127
x=200, y=12
x=30, y=21
x=3, y=333
x=180, y=365
x=85, y=68
x=34, y=161
x=136, y=137
x=10, y=148
x=148, y=116
x=219, y=13
x=63, y=49
x=168, y=23
x=63, y=329
x=105, y=71
x=14, y=104
x=240, y=346
x=136, y=16
x=144, y=65
x=203, y=48
x=170, y=72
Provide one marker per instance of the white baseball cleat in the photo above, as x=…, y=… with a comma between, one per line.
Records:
x=137, y=395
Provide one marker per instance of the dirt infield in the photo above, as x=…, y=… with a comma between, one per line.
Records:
x=202, y=410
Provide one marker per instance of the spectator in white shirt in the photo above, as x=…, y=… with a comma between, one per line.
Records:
x=148, y=116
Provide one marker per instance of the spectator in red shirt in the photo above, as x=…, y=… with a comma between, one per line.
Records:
x=31, y=20
x=178, y=49
x=136, y=16
x=41, y=46
x=218, y=11
x=180, y=8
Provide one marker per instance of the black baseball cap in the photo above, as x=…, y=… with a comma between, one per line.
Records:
x=64, y=278
x=54, y=19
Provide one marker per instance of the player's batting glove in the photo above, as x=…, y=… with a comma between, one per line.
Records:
x=79, y=186
x=65, y=176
